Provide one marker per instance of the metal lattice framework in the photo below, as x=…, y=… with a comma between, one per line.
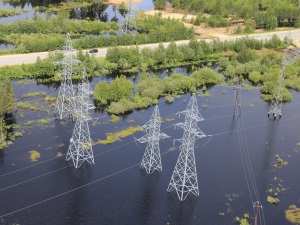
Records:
x=184, y=178
x=237, y=105
x=276, y=103
x=151, y=160
x=80, y=148
x=130, y=22
x=64, y=108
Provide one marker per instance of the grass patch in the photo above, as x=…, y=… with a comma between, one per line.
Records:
x=205, y=94
x=50, y=99
x=29, y=122
x=293, y=214
x=36, y=93
x=280, y=160
x=34, y=155
x=59, y=154
x=112, y=137
x=27, y=105
x=44, y=121
x=169, y=119
x=243, y=220
x=273, y=200
x=169, y=99
x=114, y=118
x=18, y=134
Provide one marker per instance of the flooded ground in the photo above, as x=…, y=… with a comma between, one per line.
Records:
x=94, y=12
x=39, y=187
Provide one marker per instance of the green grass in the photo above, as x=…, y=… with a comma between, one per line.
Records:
x=36, y=93
x=293, y=214
x=205, y=94
x=18, y=134
x=169, y=99
x=27, y=105
x=50, y=99
x=44, y=121
x=29, y=122
x=114, y=118
x=112, y=137
x=272, y=200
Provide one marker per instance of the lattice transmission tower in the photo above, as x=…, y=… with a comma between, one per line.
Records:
x=276, y=103
x=184, y=178
x=64, y=108
x=129, y=26
x=236, y=98
x=151, y=160
x=80, y=148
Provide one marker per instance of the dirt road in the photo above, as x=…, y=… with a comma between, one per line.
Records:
x=7, y=60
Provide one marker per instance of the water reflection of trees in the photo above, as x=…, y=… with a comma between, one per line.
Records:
x=33, y=3
x=95, y=11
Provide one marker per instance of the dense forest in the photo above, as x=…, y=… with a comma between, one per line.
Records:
x=49, y=33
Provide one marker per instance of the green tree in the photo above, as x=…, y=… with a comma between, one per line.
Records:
x=160, y=4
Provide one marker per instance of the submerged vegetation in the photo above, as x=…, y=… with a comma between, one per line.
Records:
x=34, y=155
x=243, y=220
x=293, y=214
x=112, y=137
x=243, y=59
x=121, y=98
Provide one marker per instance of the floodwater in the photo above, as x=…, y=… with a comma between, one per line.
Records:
x=96, y=11
x=116, y=191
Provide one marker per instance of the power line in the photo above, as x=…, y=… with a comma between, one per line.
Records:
x=248, y=168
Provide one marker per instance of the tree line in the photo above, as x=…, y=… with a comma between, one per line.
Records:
x=266, y=13
x=47, y=35
x=6, y=108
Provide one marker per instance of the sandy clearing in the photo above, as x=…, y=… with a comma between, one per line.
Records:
x=171, y=15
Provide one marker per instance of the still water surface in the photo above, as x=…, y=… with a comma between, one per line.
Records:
x=115, y=190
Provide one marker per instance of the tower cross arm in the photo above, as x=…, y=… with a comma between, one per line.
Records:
x=199, y=133
x=144, y=139
x=181, y=125
x=163, y=135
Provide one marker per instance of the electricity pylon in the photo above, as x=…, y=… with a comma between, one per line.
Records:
x=80, y=148
x=64, y=108
x=184, y=178
x=236, y=98
x=276, y=103
x=130, y=22
x=85, y=85
x=151, y=160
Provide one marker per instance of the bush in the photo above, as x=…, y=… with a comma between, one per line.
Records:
x=118, y=89
x=217, y=21
x=206, y=76
x=255, y=77
x=150, y=87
